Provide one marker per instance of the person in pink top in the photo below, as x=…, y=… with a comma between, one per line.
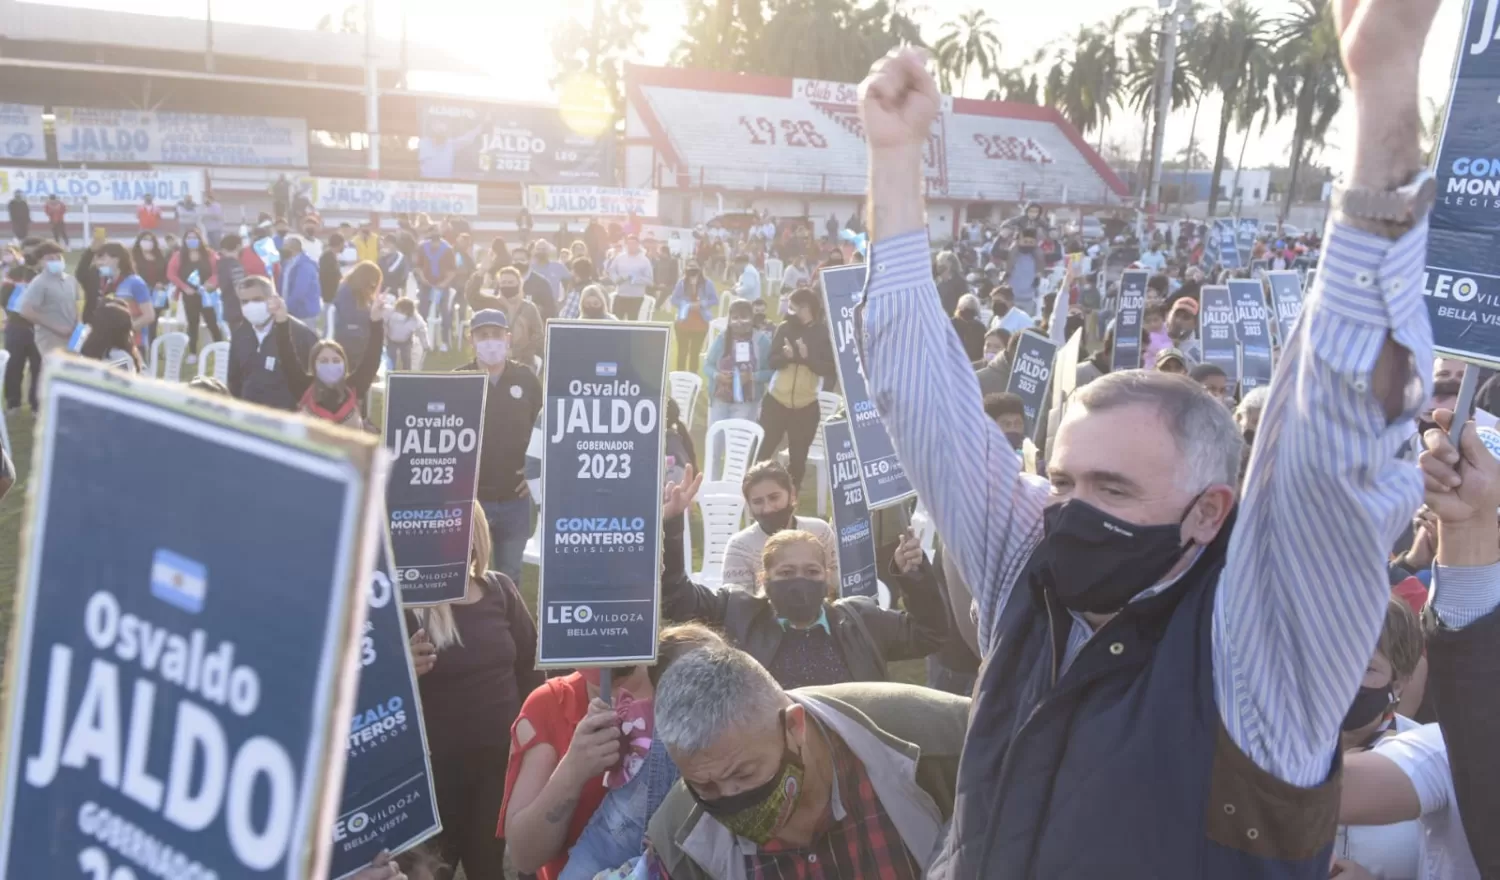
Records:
x=194, y=258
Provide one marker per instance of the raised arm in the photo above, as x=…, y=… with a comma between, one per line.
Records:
x=922, y=384
x=1304, y=587
x=288, y=360
x=681, y=599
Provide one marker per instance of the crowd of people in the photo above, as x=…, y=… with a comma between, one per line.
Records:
x=1178, y=629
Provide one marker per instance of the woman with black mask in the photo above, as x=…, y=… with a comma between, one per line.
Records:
x=772, y=502
x=794, y=621
x=802, y=356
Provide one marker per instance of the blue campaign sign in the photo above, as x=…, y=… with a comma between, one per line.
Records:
x=1463, y=260
x=178, y=691
x=1217, y=326
x=1254, y=331
x=434, y=425
x=1030, y=376
x=388, y=801
x=1286, y=295
x=881, y=469
x=851, y=517
x=1127, y=348
x=1227, y=236
x=1249, y=227
x=599, y=597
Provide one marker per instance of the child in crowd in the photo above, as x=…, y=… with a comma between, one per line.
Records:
x=1154, y=334
x=405, y=332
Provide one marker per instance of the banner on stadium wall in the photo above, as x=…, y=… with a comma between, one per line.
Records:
x=1462, y=283
x=1030, y=375
x=1254, y=330
x=388, y=801
x=599, y=596
x=99, y=188
x=880, y=468
x=179, y=694
x=591, y=201
x=434, y=426
x=435, y=199
x=851, y=518
x=1286, y=293
x=1217, y=327
x=22, y=135
x=91, y=135
x=1127, y=349
x=512, y=142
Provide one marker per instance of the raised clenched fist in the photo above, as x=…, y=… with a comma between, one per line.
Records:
x=898, y=101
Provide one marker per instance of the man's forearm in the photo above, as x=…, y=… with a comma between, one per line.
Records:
x=1468, y=546
x=896, y=202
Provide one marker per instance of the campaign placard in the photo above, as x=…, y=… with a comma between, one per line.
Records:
x=179, y=693
x=599, y=597
x=521, y=143
x=1127, y=349
x=1248, y=228
x=1217, y=327
x=86, y=134
x=1030, y=376
x=851, y=518
x=880, y=468
x=1286, y=294
x=388, y=801
x=1227, y=236
x=1254, y=331
x=434, y=428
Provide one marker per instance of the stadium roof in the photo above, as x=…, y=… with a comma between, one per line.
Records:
x=741, y=132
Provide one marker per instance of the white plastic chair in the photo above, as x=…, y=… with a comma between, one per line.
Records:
x=648, y=308
x=720, y=505
x=330, y=318
x=736, y=441
x=4, y=431
x=168, y=351
x=817, y=451
x=715, y=327
x=532, y=555
x=685, y=389
x=217, y=354
x=774, y=273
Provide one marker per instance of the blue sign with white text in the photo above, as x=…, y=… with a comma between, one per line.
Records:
x=1254, y=331
x=1249, y=227
x=1462, y=283
x=1286, y=294
x=388, y=802
x=599, y=597
x=173, y=710
x=1031, y=375
x=1217, y=327
x=851, y=518
x=1127, y=348
x=434, y=426
x=1227, y=238
x=880, y=468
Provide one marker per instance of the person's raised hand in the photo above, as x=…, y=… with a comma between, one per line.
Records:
x=423, y=652
x=596, y=743
x=898, y=101
x=277, y=307
x=382, y=867
x=1381, y=41
x=677, y=496
x=1423, y=541
x=1463, y=484
x=909, y=553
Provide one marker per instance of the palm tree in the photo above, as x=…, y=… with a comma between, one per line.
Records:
x=1084, y=80
x=1143, y=70
x=1308, y=81
x=1015, y=86
x=1254, y=103
x=828, y=39
x=718, y=33
x=1234, y=55
x=967, y=43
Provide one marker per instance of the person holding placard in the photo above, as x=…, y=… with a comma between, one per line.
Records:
x=331, y=391
x=737, y=367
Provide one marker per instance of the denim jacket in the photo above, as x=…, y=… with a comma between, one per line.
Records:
x=617, y=832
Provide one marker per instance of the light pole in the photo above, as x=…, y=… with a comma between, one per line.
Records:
x=1171, y=22
x=372, y=93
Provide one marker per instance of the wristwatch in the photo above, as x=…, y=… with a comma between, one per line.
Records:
x=1390, y=211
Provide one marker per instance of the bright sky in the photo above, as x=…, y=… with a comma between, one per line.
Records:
x=495, y=32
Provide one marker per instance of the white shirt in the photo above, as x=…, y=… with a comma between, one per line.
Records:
x=1389, y=852
x=1153, y=260
x=1423, y=757
x=749, y=286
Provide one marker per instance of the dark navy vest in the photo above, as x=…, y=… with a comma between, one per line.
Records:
x=1121, y=767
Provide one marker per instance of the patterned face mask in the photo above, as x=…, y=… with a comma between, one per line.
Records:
x=756, y=814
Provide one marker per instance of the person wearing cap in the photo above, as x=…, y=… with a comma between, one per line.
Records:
x=1173, y=361
x=515, y=400
x=1182, y=329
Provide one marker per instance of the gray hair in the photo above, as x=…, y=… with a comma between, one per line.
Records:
x=1255, y=401
x=709, y=691
x=1203, y=428
x=968, y=301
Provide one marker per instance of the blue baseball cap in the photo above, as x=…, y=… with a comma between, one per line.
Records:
x=489, y=318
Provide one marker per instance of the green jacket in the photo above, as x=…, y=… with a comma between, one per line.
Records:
x=908, y=739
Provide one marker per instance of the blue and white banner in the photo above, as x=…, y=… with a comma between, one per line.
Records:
x=591, y=201
x=22, y=134
x=90, y=135
x=599, y=597
x=851, y=518
x=392, y=196
x=1286, y=294
x=434, y=425
x=1463, y=242
x=1223, y=244
x=515, y=142
x=1127, y=349
x=883, y=474
x=1254, y=330
x=388, y=802
x=1217, y=327
x=1030, y=376
x=77, y=186
x=179, y=693
x=1248, y=228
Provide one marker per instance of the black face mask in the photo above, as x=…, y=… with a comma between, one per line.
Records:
x=1016, y=438
x=1369, y=704
x=774, y=521
x=509, y=290
x=1099, y=562
x=797, y=599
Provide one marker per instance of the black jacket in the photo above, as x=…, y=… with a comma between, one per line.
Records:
x=1463, y=668
x=867, y=635
x=254, y=365
x=819, y=349
x=509, y=416
x=329, y=275
x=20, y=217
x=539, y=291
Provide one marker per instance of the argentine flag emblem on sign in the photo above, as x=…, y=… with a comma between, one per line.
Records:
x=178, y=581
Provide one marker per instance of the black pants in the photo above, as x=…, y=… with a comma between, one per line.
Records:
x=470, y=787
x=60, y=234
x=689, y=349
x=20, y=341
x=799, y=426
x=193, y=304
x=627, y=307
